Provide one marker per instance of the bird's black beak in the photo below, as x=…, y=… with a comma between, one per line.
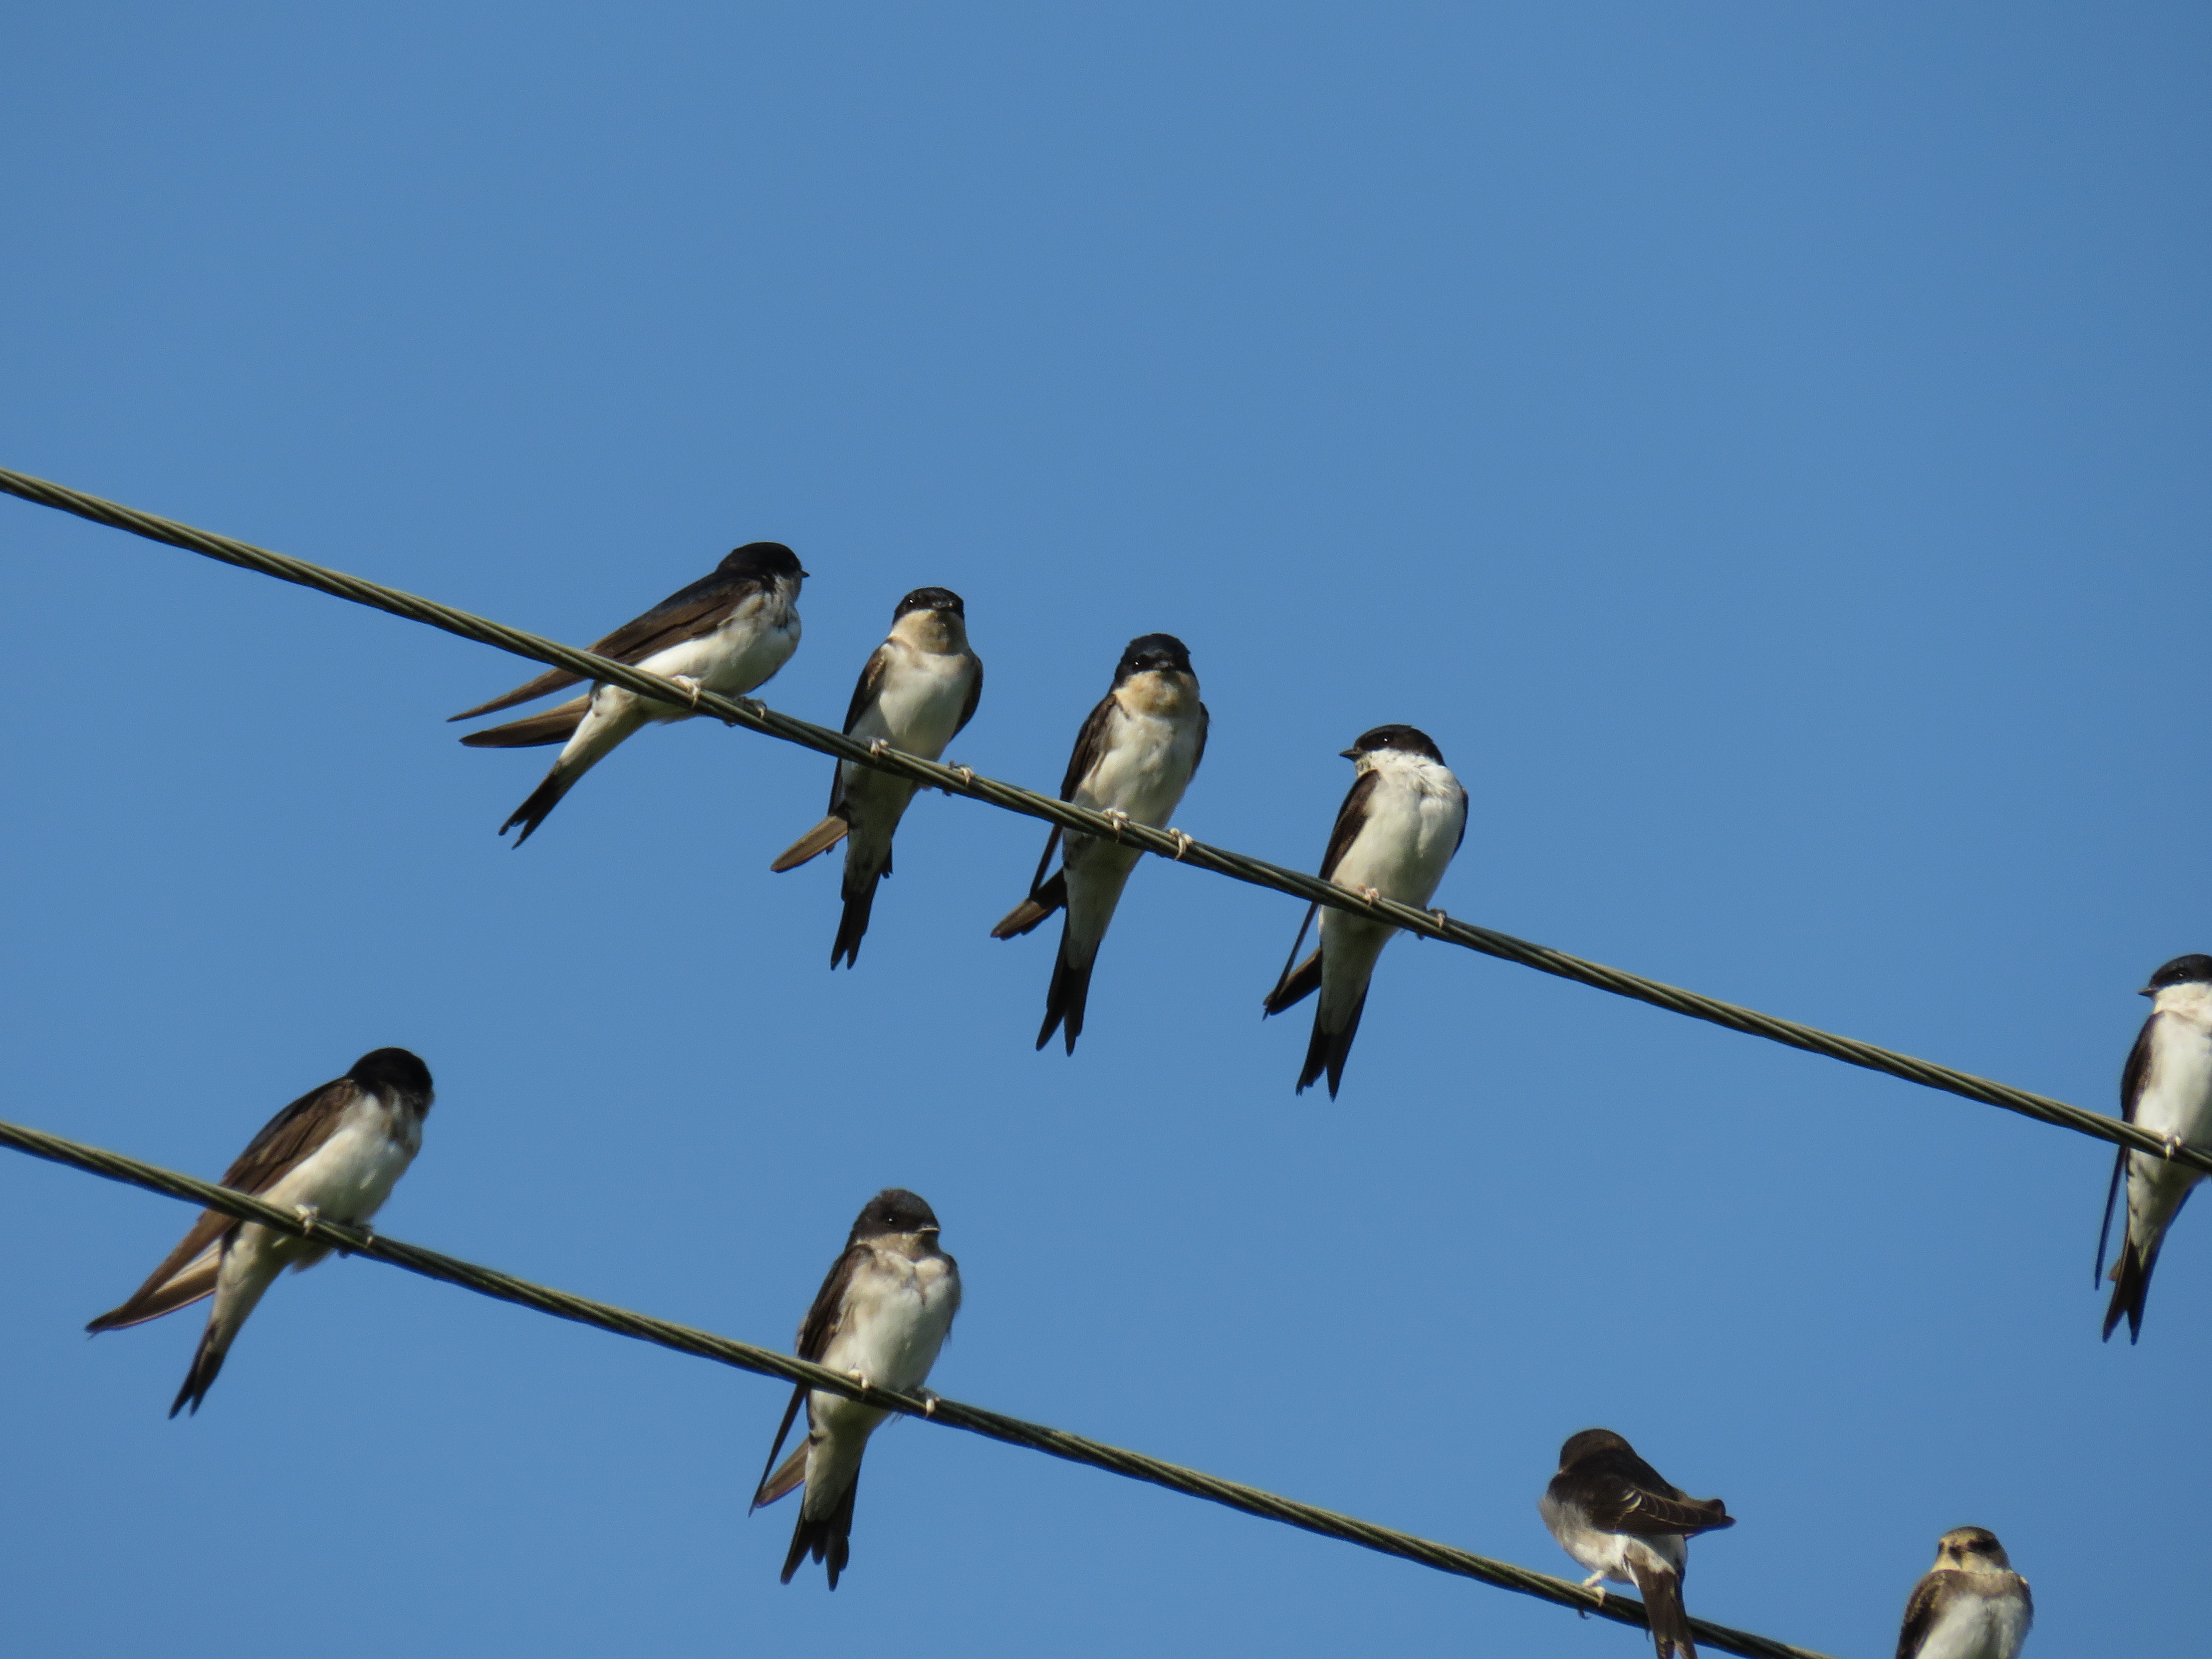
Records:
x=2147, y=991
x=1349, y=754
x=805, y=575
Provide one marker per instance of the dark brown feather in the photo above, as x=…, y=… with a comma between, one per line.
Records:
x=975, y=696
x=1618, y=1491
x=1669, y=1621
x=1920, y=1615
x=556, y=724
x=1351, y=818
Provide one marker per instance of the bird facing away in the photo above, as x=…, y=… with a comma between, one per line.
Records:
x=918, y=689
x=1970, y=1605
x=880, y=1317
x=1133, y=758
x=1617, y=1516
x=727, y=633
x=332, y=1155
x=2165, y=1088
x=1395, y=836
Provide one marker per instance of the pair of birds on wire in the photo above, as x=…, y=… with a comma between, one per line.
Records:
x=1620, y=1518
x=335, y=1155
x=1396, y=833
x=882, y=1316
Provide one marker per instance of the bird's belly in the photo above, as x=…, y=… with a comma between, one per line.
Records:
x=2179, y=1101
x=349, y=1175
x=1977, y=1629
x=1144, y=774
x=740, y=655
x=892, y=1336
x=1402, y=853
x=919, y=709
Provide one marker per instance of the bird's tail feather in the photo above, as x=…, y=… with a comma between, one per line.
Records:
x=1661, y=1590
x=542, y=799
x=1047, y=898
x=1066, y=998
x=206, y=1362
x=828, y=1539
x=2105, y=1227
x=179, y=1289
x=1327, y=1051
x=852, y=925
x=812, y=845
x=2130, y=1285
x=1295, y=986
x=556, y=724
x=543, y=685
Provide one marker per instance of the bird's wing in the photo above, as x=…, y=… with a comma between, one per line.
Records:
x=686, y=614
x=1090, y=745
x=974, y=696
x=1623, y=1494
x=2136, y=1072
x=1920, y=1615
x=827, y=1313
x=1350, y=817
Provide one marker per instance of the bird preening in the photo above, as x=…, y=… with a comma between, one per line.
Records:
x=1618, y=1517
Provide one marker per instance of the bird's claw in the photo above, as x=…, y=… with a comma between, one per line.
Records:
x=929, y=1398
x=1441, y=918
x=1370, y=894
x=965, y=774
x=690, y=683
x=309, y=1215
x=1119, y=818
x=2172, y=1145
x=878, y=745
x=368, y=1237
x=1183, y=844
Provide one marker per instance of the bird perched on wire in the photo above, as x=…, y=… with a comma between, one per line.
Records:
x=1970, y=1605
x=2165, y=1088
x=332, y=1155
x=1395, y=835
x=880, y=1317
x=918, y=689
x=1617, y=1516
x=727, y=633
x=1133, y=758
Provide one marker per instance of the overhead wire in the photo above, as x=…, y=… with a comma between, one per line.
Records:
x=1172, y=844
x=948, y=1413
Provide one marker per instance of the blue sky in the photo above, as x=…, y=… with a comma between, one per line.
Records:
x=1764, y=446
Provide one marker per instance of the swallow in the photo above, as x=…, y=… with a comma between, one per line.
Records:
x=919, y=689
x=332, y=1155
x=1135, y=756
x=880, y=1317
x=1615, y=1514
x=1395, y=835
x=2166, y=1088
x=727, y=633
x=1970, y=1605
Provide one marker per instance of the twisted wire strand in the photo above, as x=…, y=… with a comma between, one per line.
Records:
x=766, y=1362
x=756, y=716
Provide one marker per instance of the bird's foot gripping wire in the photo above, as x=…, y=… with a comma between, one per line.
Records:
x=1183, y=844
x=367, y=1234
x=965, y=774
x=1370, y=894
x=691, y=685
x=929, y=1397
x=309, y=1215
x=1595, y=1584
x=2172, y=1145
x=1119, y=818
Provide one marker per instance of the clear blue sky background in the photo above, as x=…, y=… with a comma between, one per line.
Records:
x=1765, y=445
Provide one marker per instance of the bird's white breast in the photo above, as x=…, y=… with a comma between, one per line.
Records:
x=350, y=1175
x=918, y=705
x=1610, y=1553
x=753, y=641
x=1414, y=815
x=896, y=1313
x=1151, y=751
x=1973, y=1625
x=2177, y=1094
